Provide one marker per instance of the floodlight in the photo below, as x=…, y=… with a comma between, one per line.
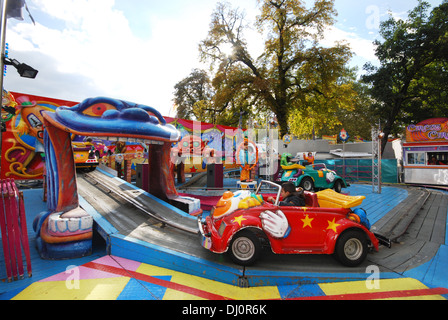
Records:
x=23, y=69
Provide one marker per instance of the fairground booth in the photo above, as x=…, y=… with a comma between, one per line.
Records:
x=425, y=152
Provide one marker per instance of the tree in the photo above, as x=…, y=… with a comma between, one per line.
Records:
x=359, y=121
x=293, y=71
x=412, y=55
x=326, y=107
x=198, y=98
x=192, y=95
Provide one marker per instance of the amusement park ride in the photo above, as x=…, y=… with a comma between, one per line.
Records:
x=100, y=117
x=309, y=176
x=241, y=221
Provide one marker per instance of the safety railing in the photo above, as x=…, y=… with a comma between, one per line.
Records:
x=14, y=232
x=360, y=170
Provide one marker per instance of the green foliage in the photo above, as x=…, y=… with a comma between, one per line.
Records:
x=294, y=75
x=411, y=82
x=190, y=91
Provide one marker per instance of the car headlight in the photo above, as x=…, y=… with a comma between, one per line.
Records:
x=221, y=229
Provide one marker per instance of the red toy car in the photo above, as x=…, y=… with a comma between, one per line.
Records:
x=326, y=225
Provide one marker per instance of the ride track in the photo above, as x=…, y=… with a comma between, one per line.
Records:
x=142, y=220
x=155, y=209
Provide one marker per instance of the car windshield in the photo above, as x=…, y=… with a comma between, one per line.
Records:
x=319, y=166
x=268, y=187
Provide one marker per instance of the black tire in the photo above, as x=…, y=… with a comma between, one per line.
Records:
x=245, y=248
x=351, y=248
x=338, y=185
x=307, y=184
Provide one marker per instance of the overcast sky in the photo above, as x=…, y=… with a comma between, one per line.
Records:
x=137, y=50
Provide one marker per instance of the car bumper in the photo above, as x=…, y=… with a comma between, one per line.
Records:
x=383, y=240
x=206, y=240
x=210, y=239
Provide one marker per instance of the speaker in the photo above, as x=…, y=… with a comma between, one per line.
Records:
x=142, y=179
x=215, y=175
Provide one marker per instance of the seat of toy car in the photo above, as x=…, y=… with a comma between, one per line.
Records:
x=293, y=167
x=311, y=199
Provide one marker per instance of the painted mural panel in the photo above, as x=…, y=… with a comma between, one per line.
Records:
x=22, y=142
x=204, y=143
x=23, y=156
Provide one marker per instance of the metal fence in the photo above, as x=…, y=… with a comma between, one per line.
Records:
x=360, y=170
x=14, y=234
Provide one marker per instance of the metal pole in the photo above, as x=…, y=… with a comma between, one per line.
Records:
x=343, y=160
x=376, y=160
x=379, y=163
x=4, y=19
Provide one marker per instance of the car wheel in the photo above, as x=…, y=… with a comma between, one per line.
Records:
x=307, y=184
x=245, y=248
x=351, y=248
x=338, y=186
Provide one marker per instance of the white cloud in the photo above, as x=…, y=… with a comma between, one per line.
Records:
x=85, y=48
x=363, y=48
x=97, y=45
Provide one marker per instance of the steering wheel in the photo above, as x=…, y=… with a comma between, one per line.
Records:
x=243, y=166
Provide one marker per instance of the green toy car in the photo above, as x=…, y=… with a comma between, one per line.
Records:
x=309, y=176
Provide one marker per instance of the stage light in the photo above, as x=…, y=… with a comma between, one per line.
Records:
x=23, y=69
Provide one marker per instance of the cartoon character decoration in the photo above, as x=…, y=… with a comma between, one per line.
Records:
x=120, y=149
x=101, y=149
x=8, y=107
x=210, y=157
x=241, y=199
x=190, y=148
x=309, y=157
x=290, y=167
x=101, y=117
x=192, y=151
x=247, y=154
x=285, y=160
x=343, y=135
x=329, y=175
x=25, y=152
x=286, y=140
x=276, y=224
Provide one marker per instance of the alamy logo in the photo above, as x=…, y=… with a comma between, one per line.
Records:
x=72, y=281
x=373, y=280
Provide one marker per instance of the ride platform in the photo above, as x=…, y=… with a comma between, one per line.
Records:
x=127, y=233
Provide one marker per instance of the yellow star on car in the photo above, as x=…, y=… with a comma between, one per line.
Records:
x=239, y=219
x=332, y=225
x=307, y=221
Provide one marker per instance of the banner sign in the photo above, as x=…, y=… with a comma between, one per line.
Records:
x=431, y=130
